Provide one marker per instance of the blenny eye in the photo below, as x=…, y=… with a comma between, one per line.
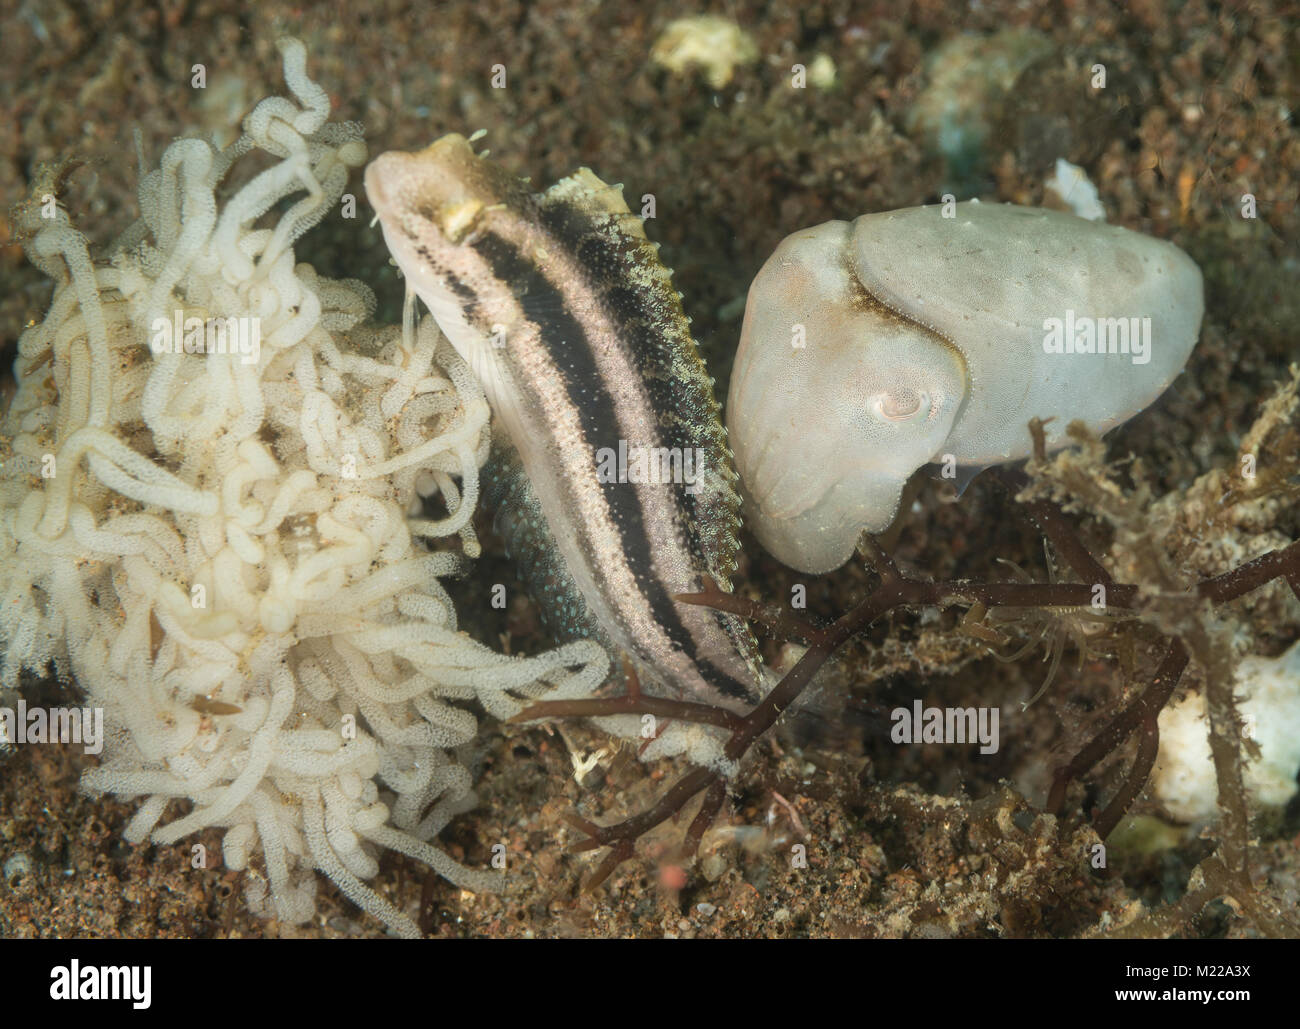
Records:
x=901, y=405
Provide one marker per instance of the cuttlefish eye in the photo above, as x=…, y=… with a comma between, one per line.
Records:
x=901, y=405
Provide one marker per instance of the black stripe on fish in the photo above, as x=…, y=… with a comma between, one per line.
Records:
x=464, y=293
x=565, y=340
x=638, y=312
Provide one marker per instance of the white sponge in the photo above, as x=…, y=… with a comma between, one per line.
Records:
x=1269, y=701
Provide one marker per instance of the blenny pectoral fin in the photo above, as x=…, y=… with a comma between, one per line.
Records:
x=519, y=521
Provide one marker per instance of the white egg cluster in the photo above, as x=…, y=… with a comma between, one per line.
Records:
x=217, y=542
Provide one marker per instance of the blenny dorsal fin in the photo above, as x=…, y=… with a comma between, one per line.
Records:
x=589, y=190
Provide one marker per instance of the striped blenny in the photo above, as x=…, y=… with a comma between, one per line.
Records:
x=626, y=492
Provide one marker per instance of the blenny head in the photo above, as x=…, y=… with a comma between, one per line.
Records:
x=443, y=188
x=431, y=204
x=434, y=206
